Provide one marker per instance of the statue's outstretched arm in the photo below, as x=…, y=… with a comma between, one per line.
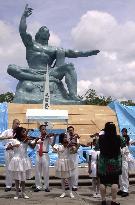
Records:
x=76, y=54
x=26, y=38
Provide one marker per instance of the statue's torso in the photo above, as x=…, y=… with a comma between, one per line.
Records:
x=38, y=56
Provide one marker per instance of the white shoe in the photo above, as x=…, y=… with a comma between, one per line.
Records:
x=98, y=195
x=16, y=197
x=94, y=195
x=25, y=196
x=72, y=195
x=63, y=195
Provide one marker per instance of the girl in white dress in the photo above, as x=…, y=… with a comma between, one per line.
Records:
x=64, y=165
x=20, y=165
x=92, y=170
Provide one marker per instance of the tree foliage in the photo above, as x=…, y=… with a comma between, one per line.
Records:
x=91, y=98
x=6, y=97
x=128, y=103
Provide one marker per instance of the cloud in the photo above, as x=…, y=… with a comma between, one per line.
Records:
x=54, y=39
x=11, y=51
x=114, y=66
x=82, y=86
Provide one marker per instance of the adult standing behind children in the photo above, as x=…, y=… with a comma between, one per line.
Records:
x=124, y=177
x=110, y=162
x=8, y=136
x=72, y=136
x=42, y=159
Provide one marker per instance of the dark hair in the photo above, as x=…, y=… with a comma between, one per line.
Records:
x=109, y=143
x=127, y=138
x=94, y=140
x=15, y=120
x=124, y=130
x=70, y=127
x=61, y=137
x=110, y=129
x=18, y=134
x=40, y=127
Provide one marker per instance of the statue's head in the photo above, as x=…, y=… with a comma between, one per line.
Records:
x=43, y=34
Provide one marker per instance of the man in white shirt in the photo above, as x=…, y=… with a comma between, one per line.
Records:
x=42, y=160
x=74, y=157
x=124, y=177
x=8, y=135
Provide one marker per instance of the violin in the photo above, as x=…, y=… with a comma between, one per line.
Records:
x=73, y=145
x=94, y=135
x=26, y=138
x=46, y=135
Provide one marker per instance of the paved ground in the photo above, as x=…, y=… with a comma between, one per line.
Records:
x=82, y=197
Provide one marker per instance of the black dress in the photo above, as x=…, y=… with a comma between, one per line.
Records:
x=110, y=161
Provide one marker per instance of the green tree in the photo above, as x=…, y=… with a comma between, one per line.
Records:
x=128, y=103
x=6, y=97
x=91, y=98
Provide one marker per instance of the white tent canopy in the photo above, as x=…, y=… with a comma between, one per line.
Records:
x=47, y=115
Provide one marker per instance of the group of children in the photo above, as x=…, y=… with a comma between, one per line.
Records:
x=19, y=166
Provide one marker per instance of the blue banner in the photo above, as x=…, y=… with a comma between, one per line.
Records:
x=3, y=116
x=125, y=117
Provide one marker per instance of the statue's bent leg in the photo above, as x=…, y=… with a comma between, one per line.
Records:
x=21, y=73
x=67, y=71
x=71, y=81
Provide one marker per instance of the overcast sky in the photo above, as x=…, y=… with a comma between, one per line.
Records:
x=107, y=25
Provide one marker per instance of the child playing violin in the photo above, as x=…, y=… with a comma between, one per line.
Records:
x=20, y=165
x=64, y=165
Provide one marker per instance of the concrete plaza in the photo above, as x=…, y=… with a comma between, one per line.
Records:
x=82, y=197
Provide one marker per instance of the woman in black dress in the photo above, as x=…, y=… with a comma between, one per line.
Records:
x=110, y=162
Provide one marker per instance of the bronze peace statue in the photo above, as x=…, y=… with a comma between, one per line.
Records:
x=39, y=55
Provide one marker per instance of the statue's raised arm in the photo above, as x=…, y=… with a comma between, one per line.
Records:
x=75, y=54
x=26, y=38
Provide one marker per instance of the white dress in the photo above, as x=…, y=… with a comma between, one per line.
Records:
x=20, y=165
x=94, y=156
x=64, y=165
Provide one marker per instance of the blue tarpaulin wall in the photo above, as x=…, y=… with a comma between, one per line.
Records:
x=3, y=117
x=3, y=126
x=125, y=116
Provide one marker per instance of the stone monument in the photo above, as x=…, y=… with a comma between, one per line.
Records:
x=39, y=55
